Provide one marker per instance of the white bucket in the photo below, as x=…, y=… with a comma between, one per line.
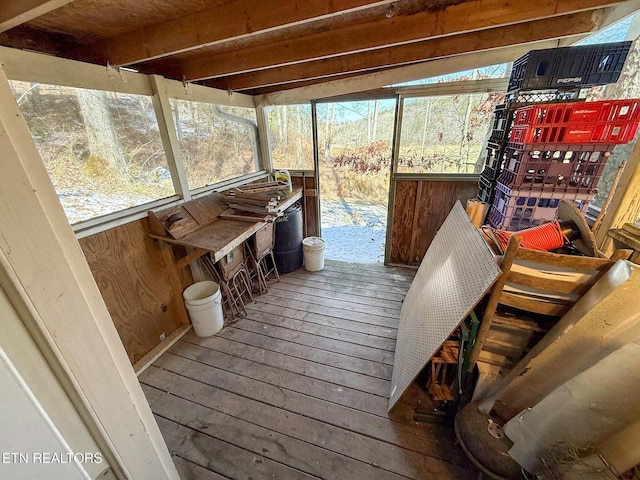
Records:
x=313, y=251
x=204, y=302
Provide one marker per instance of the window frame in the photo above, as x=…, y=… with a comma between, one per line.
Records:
x=463, y=87
x=38, y=68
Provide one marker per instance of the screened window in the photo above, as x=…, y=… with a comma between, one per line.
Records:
x=291, y=137
x=445, y=134
x=217, y=142
x=102, y=150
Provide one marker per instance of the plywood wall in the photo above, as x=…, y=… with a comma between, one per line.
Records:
x=309, y=201
x=420, y=208
x=133, y=278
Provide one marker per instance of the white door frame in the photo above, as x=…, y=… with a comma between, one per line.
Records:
x=45, y=274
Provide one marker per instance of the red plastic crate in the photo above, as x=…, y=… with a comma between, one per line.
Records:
x=606, y=122
x=517, y=209
x=563, y=168
x=627, y=110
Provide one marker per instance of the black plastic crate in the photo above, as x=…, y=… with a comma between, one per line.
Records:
x=500, y=116
x=586, y=65
x=499, y=132
x=493, y=161
x=522, y=98
x=486, y=189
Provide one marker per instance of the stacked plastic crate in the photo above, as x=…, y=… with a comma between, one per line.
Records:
x=545, y=144
x=558, y=151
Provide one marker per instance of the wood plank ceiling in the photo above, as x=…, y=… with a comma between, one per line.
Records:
x=258, y=47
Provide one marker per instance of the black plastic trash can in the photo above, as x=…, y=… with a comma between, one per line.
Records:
x=288, y=244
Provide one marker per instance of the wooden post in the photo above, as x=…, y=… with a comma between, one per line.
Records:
x=169, y=137
x=625, y=206
x=264, y=139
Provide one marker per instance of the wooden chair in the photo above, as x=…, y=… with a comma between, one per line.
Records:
x=533, y=291
x=442, y=380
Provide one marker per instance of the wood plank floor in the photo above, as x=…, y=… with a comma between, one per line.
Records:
x=299, y=388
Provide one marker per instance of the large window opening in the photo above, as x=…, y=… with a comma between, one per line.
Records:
x=355, y=144
x=445, y=134
x=102, y=150
x=217, y=142
x=290, y=137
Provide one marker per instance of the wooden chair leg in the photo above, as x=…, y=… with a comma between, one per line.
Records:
x=265, y=269
x=253, y=267
x=275, y=268
x=244, y=277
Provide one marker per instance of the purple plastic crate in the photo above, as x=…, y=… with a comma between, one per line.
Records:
x=555, y=167
x=517, y=209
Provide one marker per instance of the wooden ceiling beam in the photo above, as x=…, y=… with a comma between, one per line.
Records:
x=230, y=21
x=17, y=12
x=555, y=27
x=417, y=71
x=459, y=18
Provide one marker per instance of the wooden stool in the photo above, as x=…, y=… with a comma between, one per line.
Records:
x=260, y=253
x=231, y=273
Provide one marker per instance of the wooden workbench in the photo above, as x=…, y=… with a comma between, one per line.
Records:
x=204, y=231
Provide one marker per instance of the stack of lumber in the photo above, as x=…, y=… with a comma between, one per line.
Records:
x=255, y=202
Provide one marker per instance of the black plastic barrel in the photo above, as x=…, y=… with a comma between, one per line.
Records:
x=288, y=245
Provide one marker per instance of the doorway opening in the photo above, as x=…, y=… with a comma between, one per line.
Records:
x=355, y=144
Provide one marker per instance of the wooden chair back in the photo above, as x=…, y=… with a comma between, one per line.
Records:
x=537, y=282
x=549, y=283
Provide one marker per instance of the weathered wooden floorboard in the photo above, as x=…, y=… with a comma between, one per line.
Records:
x=297, y=382
x=339, y=376
x=410, y=437
x=372, y=270
x=337, y=280
x=356, y=277
x=362, y=352
x=284, y=300
x=285, y=320
x=264, y=443
x=291, y=308
x=340, y=300
x=369, y=450
x=354, y=289
x=383, y=315
x=313, y=354
x=191, y=471
x=223, y=458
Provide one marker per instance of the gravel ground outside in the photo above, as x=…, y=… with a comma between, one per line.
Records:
x=354, y=232
x=80, y=205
